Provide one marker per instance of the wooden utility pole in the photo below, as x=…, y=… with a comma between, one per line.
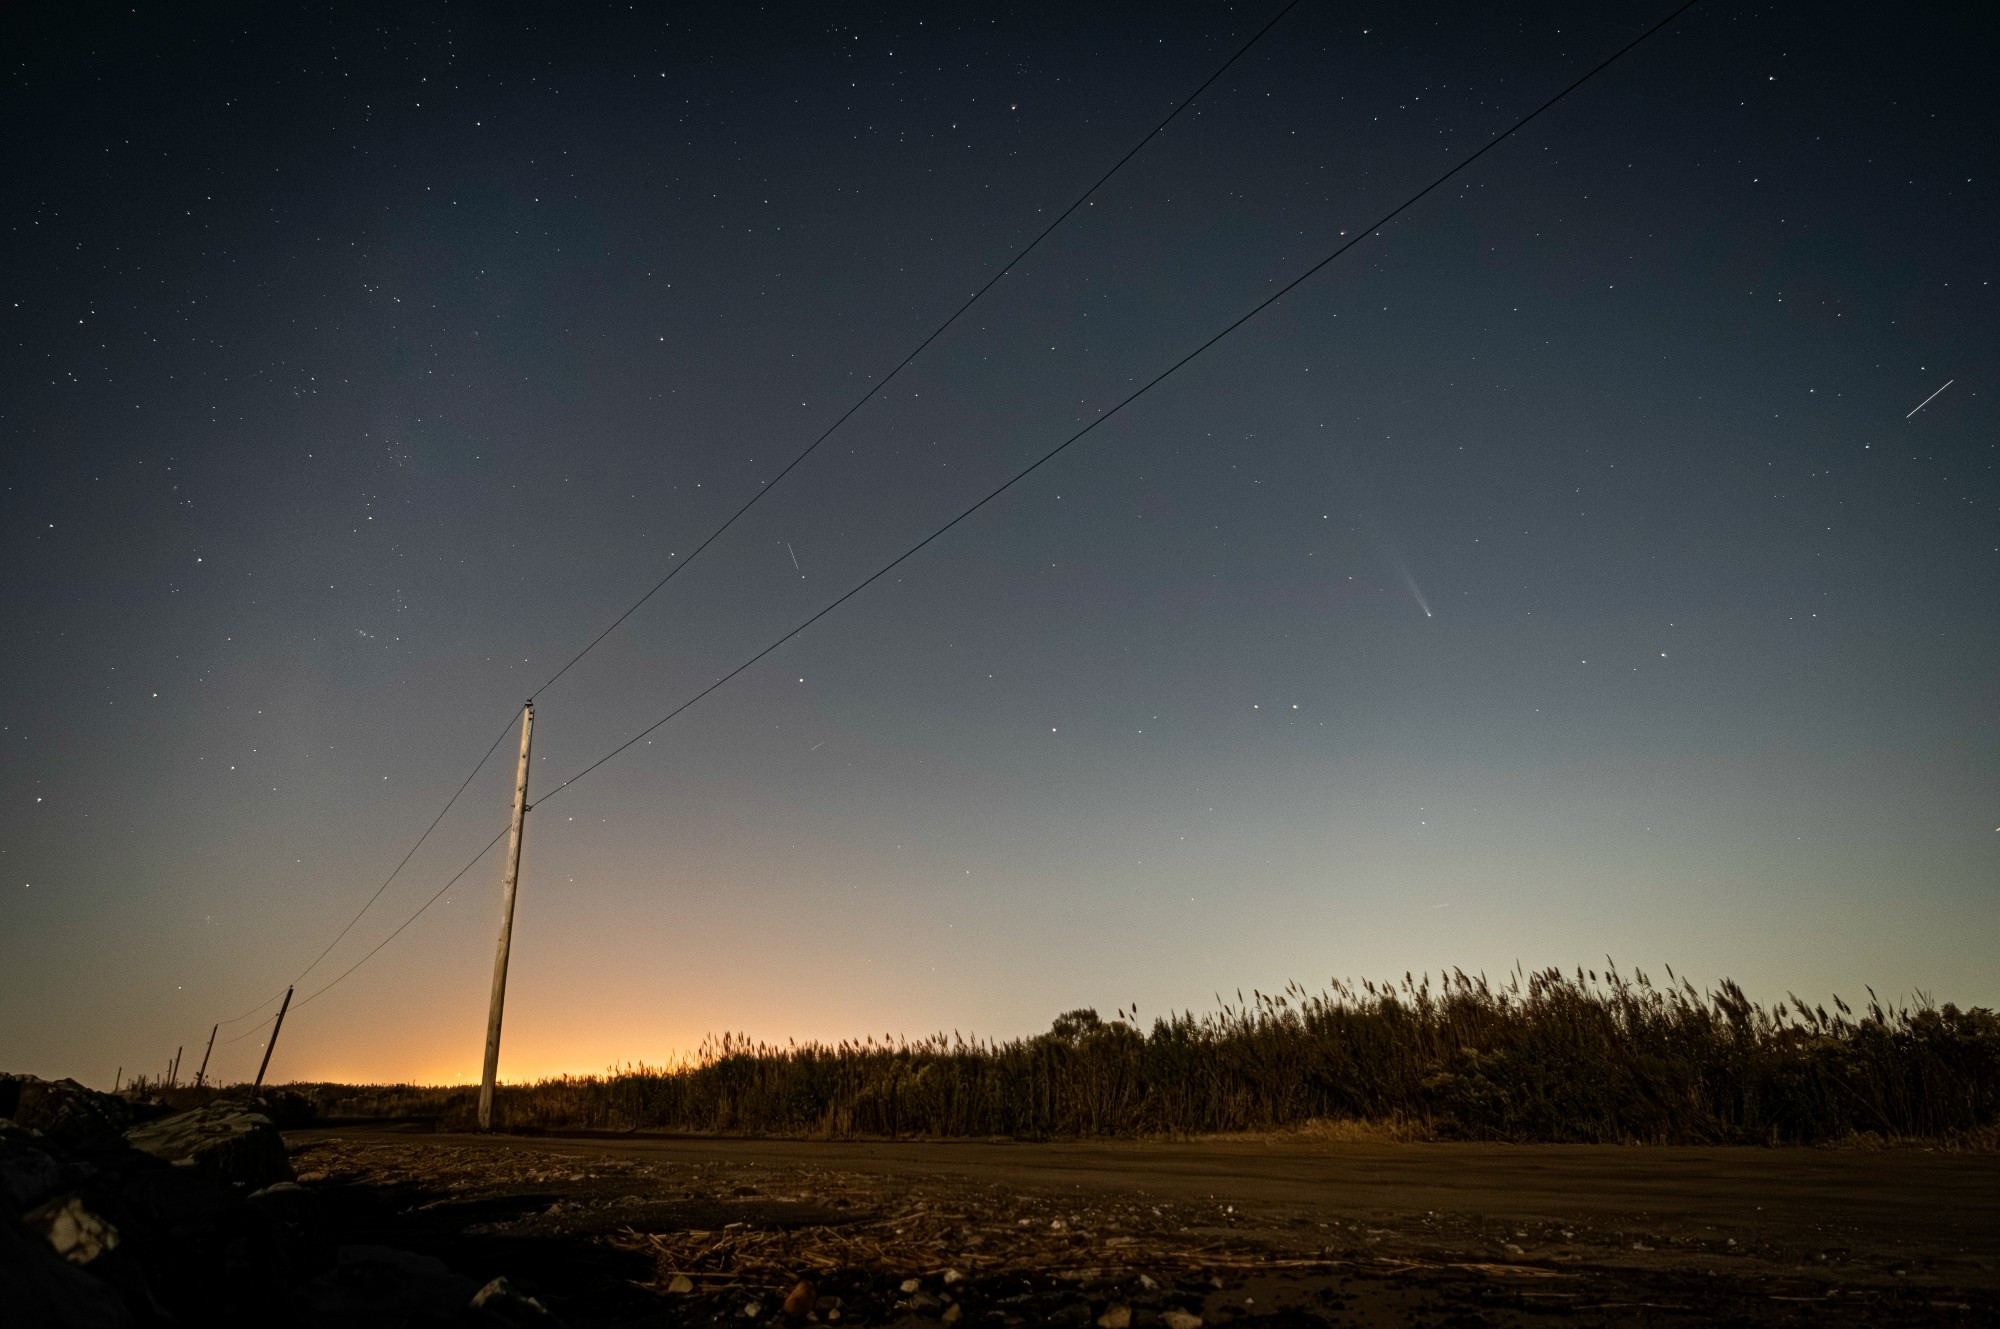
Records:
x=198, y=1075
x=507, y=890
x=283, y=1006
x=174, y=1070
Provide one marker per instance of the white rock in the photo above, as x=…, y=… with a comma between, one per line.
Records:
x=77, y=1234
x=222, y=1140
x=508, y=1303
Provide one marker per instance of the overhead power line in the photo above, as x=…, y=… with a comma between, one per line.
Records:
x=394, y=873
x=1052, y=453
x=1056, y=451
x=936, y=332
x=767, y=486
x=486, y=849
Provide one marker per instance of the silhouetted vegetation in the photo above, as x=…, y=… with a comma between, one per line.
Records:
x=1542, y=1057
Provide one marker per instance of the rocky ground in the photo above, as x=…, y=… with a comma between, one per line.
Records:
x=606, y=1237
x=117, y=1213
x=120, y=1213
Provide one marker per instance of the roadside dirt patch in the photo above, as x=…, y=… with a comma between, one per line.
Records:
x=686, y=1232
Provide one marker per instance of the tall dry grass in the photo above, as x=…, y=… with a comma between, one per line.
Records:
x=1541, y=1057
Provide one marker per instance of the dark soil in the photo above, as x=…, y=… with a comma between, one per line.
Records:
x=1264, y=1232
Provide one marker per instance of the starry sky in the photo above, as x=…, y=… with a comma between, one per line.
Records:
x=1561, y=573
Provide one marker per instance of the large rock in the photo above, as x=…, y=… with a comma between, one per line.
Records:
x=29, y=1174
x=221, y=1140
x=41, y=1290
x=63, y=1110
x=384, y=1287
x=286, y=1108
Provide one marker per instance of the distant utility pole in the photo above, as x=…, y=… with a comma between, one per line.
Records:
x=198, y=1075
x=174, y=1069
x=507, y=889
x=283, y=1006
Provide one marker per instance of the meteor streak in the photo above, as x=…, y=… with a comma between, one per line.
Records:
x=1928, y=400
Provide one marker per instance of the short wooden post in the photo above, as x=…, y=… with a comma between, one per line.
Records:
x=283, y=1006
x=203, y=1072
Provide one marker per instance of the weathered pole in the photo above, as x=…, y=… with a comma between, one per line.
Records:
x=507, y=890
x=174, y=1070
x=198, y=1075
x=116, y=1079
x=283, y=1006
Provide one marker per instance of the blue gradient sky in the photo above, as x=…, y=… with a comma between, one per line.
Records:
x=362, y=368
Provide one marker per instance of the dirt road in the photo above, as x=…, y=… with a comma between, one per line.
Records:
x=1345, y=1232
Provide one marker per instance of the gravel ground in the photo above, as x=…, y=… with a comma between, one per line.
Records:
x=654, y=1232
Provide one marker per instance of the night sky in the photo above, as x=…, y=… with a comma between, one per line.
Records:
x=1558, y=574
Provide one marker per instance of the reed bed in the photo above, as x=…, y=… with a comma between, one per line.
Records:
x=1545, y=1056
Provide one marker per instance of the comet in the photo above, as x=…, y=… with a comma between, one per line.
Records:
x=1416, y=592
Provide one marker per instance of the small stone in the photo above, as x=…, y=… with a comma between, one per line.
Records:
x=799, y=1302
x=680, y=1283
x=72, y=1229
x=923, y=1302
x=751, y=1310
x=500, y=1302
x=952, y=1314
x=1178, y=1319
x=1115, y=1317
x=908, y=1286
x=1512, y=1249
x=953, y=1276
x=1147, y=1281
